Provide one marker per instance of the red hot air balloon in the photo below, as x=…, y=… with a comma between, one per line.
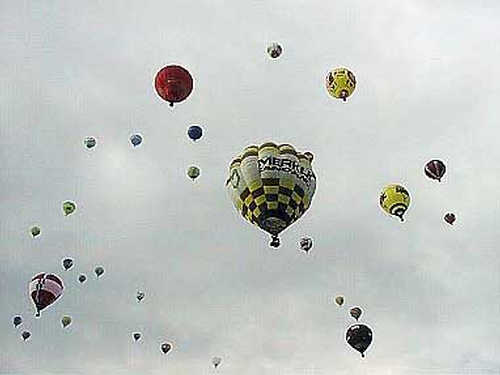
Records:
x=45, y=289
x=173, y=83
x=450, y=218
x=435, y=169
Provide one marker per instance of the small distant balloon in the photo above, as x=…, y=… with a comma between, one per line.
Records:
x=140, y=296
x=68, y=207
x=165, y=347
x=35, y=231
x=89, y=142
x=193, y=172
x=450, y=218
x=435, y=169
x=99, y=271
x=67, y=263
x=274, y=50
x=25, y=335
x=195, y=132
x=216, y=361
x=136, y=139
x=339, y=300
x=359, y=337
x=306, y=244
x=82, y=278
x=356, y=312
x=17, y=320
x=66, y=321
x=136, y=336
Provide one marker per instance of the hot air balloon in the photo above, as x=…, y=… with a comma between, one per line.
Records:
x=395, y=200
x=140, y=296
x=274, y=50
x=35, y=231
x=66, y=321
x=356, y=312
x=25, y=335
x=450, y=218
x=359, y=337
x=99, y=271
x=174, y=84
x=306, y=243
x=340, y=83
x=435, y=169
x=339, y=300
x=45, y=289
x=271, y=186
x=216, y=361
x=136, y=336
x=17, y=321
x=68, y=207
x=165, y=347
x=135, y=139
x=82, y=278
x=193, y=172
x=195, y=132
x=89, y=142
x=67, y=263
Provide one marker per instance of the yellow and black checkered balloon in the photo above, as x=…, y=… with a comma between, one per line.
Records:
x=271, y=185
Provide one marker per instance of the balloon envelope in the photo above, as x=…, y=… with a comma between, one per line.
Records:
x=216, y=361
x=99, y=271
x=193, y=172
x=136, y=139
x=136, y=336
x=90, y=142
x=25, y=335
x=306, y=243
x=356, y=312
x=395, y=200
x=35, y=231
x=82, y=278
x=359, y=337
x=140, y=295
x=195, y=132
x=17, y=320
x=173, y=84
x=340, y=83
x=67, y=263
x=435, y=169
x=274, y=50
x=45, y=289
x=69, y=207
x=66, y=321
x=450, y=218
x=271, y=186
x=339, y=300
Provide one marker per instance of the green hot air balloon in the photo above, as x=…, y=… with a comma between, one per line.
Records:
x=68, y=208
x=339, y=300
x=193, y=172
x=66, y=321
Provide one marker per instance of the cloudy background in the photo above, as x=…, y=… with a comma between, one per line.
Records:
x=427, y=88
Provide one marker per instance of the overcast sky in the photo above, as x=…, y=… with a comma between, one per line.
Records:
x=427, y=73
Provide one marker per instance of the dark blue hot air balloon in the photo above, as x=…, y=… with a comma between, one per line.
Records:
x=195, y=132
x=136, y=139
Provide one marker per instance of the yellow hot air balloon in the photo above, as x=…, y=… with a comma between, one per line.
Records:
x=395, y=200
x=340, y=83
x=271, y=186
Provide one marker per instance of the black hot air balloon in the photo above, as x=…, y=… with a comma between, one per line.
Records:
x=435, y=169
x=359, y=337
x=450, y=218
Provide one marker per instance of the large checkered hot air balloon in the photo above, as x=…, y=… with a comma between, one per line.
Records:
x=271, y=186
x=44, y=290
